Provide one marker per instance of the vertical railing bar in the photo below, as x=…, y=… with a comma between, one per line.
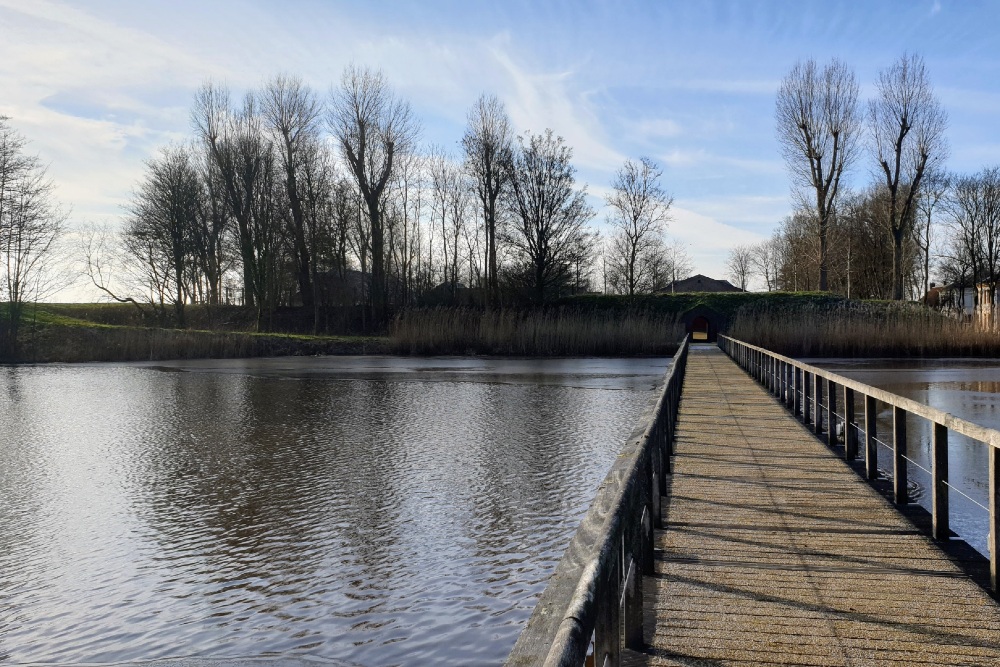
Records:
x=831, y=413
x=806, y=397
x=871, y=431
x=797, y=391
x=817, y=404
x=994, y=503
x=899, y=477
x=850, y=435
x=939, y=487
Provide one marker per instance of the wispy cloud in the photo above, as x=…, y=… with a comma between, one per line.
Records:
x=539, y=100
x=701, y=157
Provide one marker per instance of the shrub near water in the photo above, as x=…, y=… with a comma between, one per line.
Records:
x=534, y=333
x=862, y=329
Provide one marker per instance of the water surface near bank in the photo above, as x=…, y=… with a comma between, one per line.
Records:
x=351, y=510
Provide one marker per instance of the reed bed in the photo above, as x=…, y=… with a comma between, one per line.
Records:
x=556, y=333
x=862, y=329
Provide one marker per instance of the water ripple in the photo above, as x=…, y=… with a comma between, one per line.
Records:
x=188, y=518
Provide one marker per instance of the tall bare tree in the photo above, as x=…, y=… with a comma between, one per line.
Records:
x=551, y=214
x=373, y=128
x=292, y=112
x=907, y=139
x=818, y=128
x=935, y=188
x=161, y=229
x=639, y=212
x=31, y=223
x=246, y=161
x=488, y=142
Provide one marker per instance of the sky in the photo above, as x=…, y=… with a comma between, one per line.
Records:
x=99, y=86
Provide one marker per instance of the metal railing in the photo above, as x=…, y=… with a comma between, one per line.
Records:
x=801, y=387
x=596, y=591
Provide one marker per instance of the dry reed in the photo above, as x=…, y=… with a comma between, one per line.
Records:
x=862, y=329
x=557, y=332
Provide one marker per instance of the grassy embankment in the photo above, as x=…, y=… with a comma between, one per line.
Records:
x=113, y=332
x=841, y=328
x=799, y=324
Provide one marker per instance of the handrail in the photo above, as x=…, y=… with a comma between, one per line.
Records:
x=597, y=586
x=798, y=385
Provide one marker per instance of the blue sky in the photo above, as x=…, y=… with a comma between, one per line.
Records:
x=99, y=85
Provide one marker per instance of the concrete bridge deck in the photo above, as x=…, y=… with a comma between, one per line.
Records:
x=775, y=552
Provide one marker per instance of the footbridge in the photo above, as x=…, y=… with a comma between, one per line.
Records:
x=746, y=522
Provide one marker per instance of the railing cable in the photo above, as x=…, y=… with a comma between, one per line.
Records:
x=966, y=496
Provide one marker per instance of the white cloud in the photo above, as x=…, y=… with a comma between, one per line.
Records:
x=707, y=240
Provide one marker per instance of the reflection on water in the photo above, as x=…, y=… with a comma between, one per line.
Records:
x=360, y=511
x=969, y=389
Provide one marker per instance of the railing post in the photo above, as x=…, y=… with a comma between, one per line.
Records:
x=806, y=397
x=994, y=501
x=631, y=594
x=939, y=488
x=797, y=391
x=817, y=404
x=898, y=452
x=831, y=413
x=607, y=625
x=790, y=386
x=850, y=433
x=871, y=432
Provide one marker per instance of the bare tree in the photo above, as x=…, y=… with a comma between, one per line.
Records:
x=161, y=228
x=935, y=188
x=907, y=139
x=818, y=127
x=373, y=128
x=740, y=264
x=245, y=161
x=679, y=262
x=550, y=212
x=974, y=209
x=766, y=260
x=488, y=142
x=292, y=112
x=639, y=212
x=31, y=222
x=451, y=194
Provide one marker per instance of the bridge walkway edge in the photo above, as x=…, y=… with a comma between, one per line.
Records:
x=775, y=552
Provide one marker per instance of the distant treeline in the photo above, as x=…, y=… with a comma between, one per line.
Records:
x=284, y=198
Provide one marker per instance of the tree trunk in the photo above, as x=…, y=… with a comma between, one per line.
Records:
x=301, y=248
x=378, y=288
x=897, y=264
x=823, y=227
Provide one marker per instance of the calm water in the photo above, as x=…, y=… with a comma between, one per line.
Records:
x=353, y=511
x=969, y=389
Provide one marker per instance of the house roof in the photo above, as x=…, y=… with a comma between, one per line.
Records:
x=700, y=283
